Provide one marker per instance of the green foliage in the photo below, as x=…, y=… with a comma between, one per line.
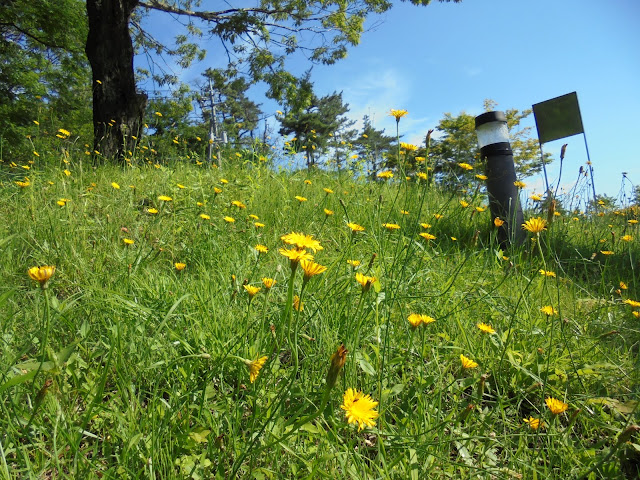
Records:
x=44, y=75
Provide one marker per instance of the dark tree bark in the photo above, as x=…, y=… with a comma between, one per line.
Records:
x=118, y=110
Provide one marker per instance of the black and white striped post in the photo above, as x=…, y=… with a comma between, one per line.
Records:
x=504, y=200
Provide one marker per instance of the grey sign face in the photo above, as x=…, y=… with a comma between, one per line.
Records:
x=558, y=118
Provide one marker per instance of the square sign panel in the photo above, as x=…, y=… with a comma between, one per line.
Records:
x=558, y=118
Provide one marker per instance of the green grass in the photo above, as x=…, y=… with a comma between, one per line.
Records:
x=125, y=367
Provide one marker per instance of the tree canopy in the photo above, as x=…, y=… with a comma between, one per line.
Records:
x=256, y=39
x=44, y=75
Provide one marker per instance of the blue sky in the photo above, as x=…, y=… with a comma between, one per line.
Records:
x=450, y=57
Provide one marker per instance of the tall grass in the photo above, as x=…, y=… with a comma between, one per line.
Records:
x=126, y=367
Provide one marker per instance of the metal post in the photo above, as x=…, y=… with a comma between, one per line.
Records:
x=504, y=198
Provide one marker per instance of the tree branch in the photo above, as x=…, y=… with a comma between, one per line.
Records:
x=41, y=41
x=210, y=16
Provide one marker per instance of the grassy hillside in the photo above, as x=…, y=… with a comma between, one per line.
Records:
x=141, y=356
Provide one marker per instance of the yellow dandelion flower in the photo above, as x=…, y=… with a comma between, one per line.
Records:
x=180, y=186
x=158, y=114
x=606, y=252
x=548, y=310
x=519, y=184
x=251, y=290
x=467, y=363
x=498, y=222
x=409, y=147
x=238, y=203
x=295, y=256
x=258, y=225
x=311, y=269
x=164, y=198
x=556, y=406
x=365, y=281
x=217, y=190
x=465, y=166
x=297, y=304
x=41, y=274
x=633, y=221
x=398, y=114
x=387, y=174
x=354, y=263
x=535, y=197
x=626, y=238
x=623, y=286
x=152, y=211
x=547, y=273
x=534, y=423
x=268, y=283
x=224, y=181
x=404, y=212
x=464, y=204
x=300, y=199
x=327, y=190
x=302, y=241
x=261, y=248
x=229, y=219
x=204, y=216
x=180, y=266
x=67, y=172
x=359, y=408
x=307, y=182
x=115, y=185
x=485, y=328
x=128, y=241
x=24, y=184
x=255, y=366
x=391, y=226
x=254, y=217
x=535, y=225
x=427, y=236
x=355, y=228
x=328, y=212
x=632, y=303
x=417, y=319
x=481, y=177
x=438, y=216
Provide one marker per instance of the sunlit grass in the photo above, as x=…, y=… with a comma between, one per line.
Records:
x=169, y=342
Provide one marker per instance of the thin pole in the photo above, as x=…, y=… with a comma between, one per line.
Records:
x=212, y=119
x=544, y=169
x=593, y=187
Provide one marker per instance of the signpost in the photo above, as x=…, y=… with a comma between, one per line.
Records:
x=558, y=118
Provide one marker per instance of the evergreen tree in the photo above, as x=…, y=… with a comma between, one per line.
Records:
x=314, y=121
x=373, y=146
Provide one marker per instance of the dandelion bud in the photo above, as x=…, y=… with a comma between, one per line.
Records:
x=337, y=360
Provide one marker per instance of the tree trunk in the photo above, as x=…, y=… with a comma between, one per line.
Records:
x=118, y=110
